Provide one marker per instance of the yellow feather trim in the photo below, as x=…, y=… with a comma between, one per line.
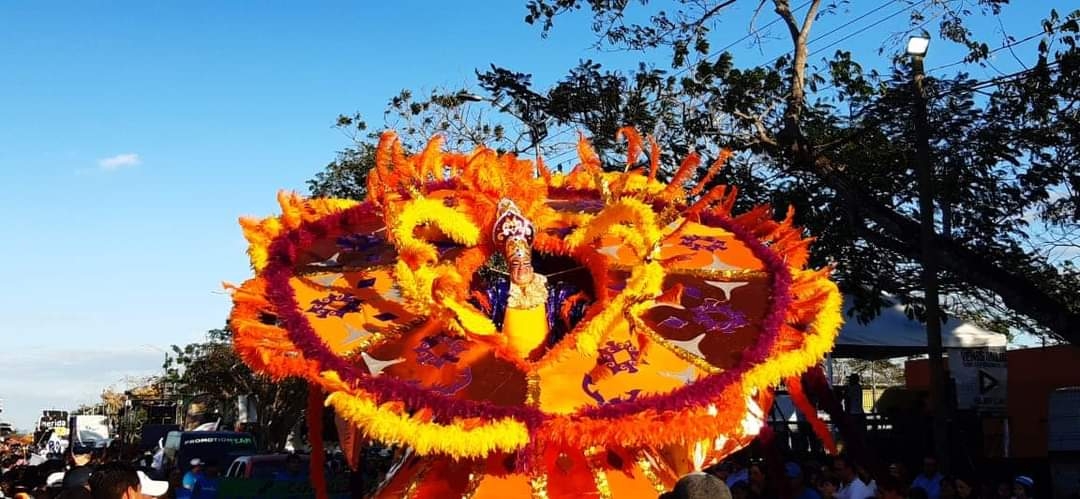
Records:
x=386, y=424
x=471, y=320
x=818, y=339
x=449, y=221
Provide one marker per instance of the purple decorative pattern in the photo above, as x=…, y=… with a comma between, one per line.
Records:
x=463, y=378
x=674, y=322
x=587, y=385
x=367, y=245
x=609, y=358
x=358, y=242
x=336, y=304
x=729, y=319
x=444, y=246
x=586, y=205
x=698, y=243
x=278, y=272
x=439, y=350
x=560, y=232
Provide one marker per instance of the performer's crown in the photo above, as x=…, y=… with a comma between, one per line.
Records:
x=511, y=224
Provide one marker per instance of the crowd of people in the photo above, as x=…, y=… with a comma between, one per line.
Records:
x=843, y=478
x=94, y=475
x=118, y=473
x=26, y=475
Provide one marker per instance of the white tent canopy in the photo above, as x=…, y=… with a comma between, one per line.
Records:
x=893, y=334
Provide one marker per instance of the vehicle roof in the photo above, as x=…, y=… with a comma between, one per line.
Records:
x=217, y=433
x=265, y=458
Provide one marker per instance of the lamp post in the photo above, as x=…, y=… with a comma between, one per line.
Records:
x=916, y=48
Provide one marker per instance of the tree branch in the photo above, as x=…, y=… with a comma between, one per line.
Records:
x=759, y=124
x=1017, y=291
x=712, y=12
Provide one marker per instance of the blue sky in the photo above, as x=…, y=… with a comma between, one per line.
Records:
x=133, y=134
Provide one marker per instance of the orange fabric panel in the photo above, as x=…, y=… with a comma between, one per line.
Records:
x=525, y=329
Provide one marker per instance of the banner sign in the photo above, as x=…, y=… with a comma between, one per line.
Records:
x=981, y=376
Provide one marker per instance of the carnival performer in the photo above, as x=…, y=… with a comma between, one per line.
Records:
x=524, y=304
x=530, y=334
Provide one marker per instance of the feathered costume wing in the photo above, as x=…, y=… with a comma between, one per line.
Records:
x=688, y=318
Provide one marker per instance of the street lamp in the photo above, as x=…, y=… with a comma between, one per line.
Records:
x=918, y=44
x=917, y=47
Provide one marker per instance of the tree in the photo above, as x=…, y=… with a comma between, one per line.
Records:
x=463, y=118
x=213, y=370
x=1005, y=150
x=842, y=159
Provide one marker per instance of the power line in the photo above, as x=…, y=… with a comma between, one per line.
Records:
x=975, y=86
x=1003, y=47
x=745, y=37
x=560, y=156
x=864, y=28
x=845, y=25
x=688, y=66
x=1003, y=79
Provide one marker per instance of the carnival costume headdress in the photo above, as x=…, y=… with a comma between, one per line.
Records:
x=512, y=232
x=694, y=316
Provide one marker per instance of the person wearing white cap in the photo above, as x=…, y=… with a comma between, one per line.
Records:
x=151, y=487
x=193, y=474
x=122, y=481
x=1022, y=487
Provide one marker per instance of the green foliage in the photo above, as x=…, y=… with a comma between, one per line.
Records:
x=834, y=141
x=346, y=176
x=1005, y=154
x=212, y=370
x=464, y=119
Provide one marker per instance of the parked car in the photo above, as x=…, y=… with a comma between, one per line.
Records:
x=262, y=467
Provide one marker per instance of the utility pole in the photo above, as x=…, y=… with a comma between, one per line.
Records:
x=917, y=47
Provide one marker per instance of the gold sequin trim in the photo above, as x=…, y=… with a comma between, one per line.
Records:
x=311, y=269
x=592, y=457
x=532, y=389
x=722, y=275
x=416, y=480
x=475, y=477
x=637, y=325
x=646, y=468
x=538, y=484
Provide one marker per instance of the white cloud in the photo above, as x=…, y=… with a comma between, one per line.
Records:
x=113, y=163
x=62, y=378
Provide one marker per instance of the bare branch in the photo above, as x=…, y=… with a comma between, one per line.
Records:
x=759, y=125
x=757, y=11
x=783, y=9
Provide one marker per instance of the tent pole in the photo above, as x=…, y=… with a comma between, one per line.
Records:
x=829, y=367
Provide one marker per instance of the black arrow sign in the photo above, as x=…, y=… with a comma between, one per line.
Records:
x=987, y=382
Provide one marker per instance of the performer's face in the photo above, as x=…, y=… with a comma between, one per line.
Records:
x=519, y=261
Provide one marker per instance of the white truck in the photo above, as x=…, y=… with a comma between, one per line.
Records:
x=88, y=432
